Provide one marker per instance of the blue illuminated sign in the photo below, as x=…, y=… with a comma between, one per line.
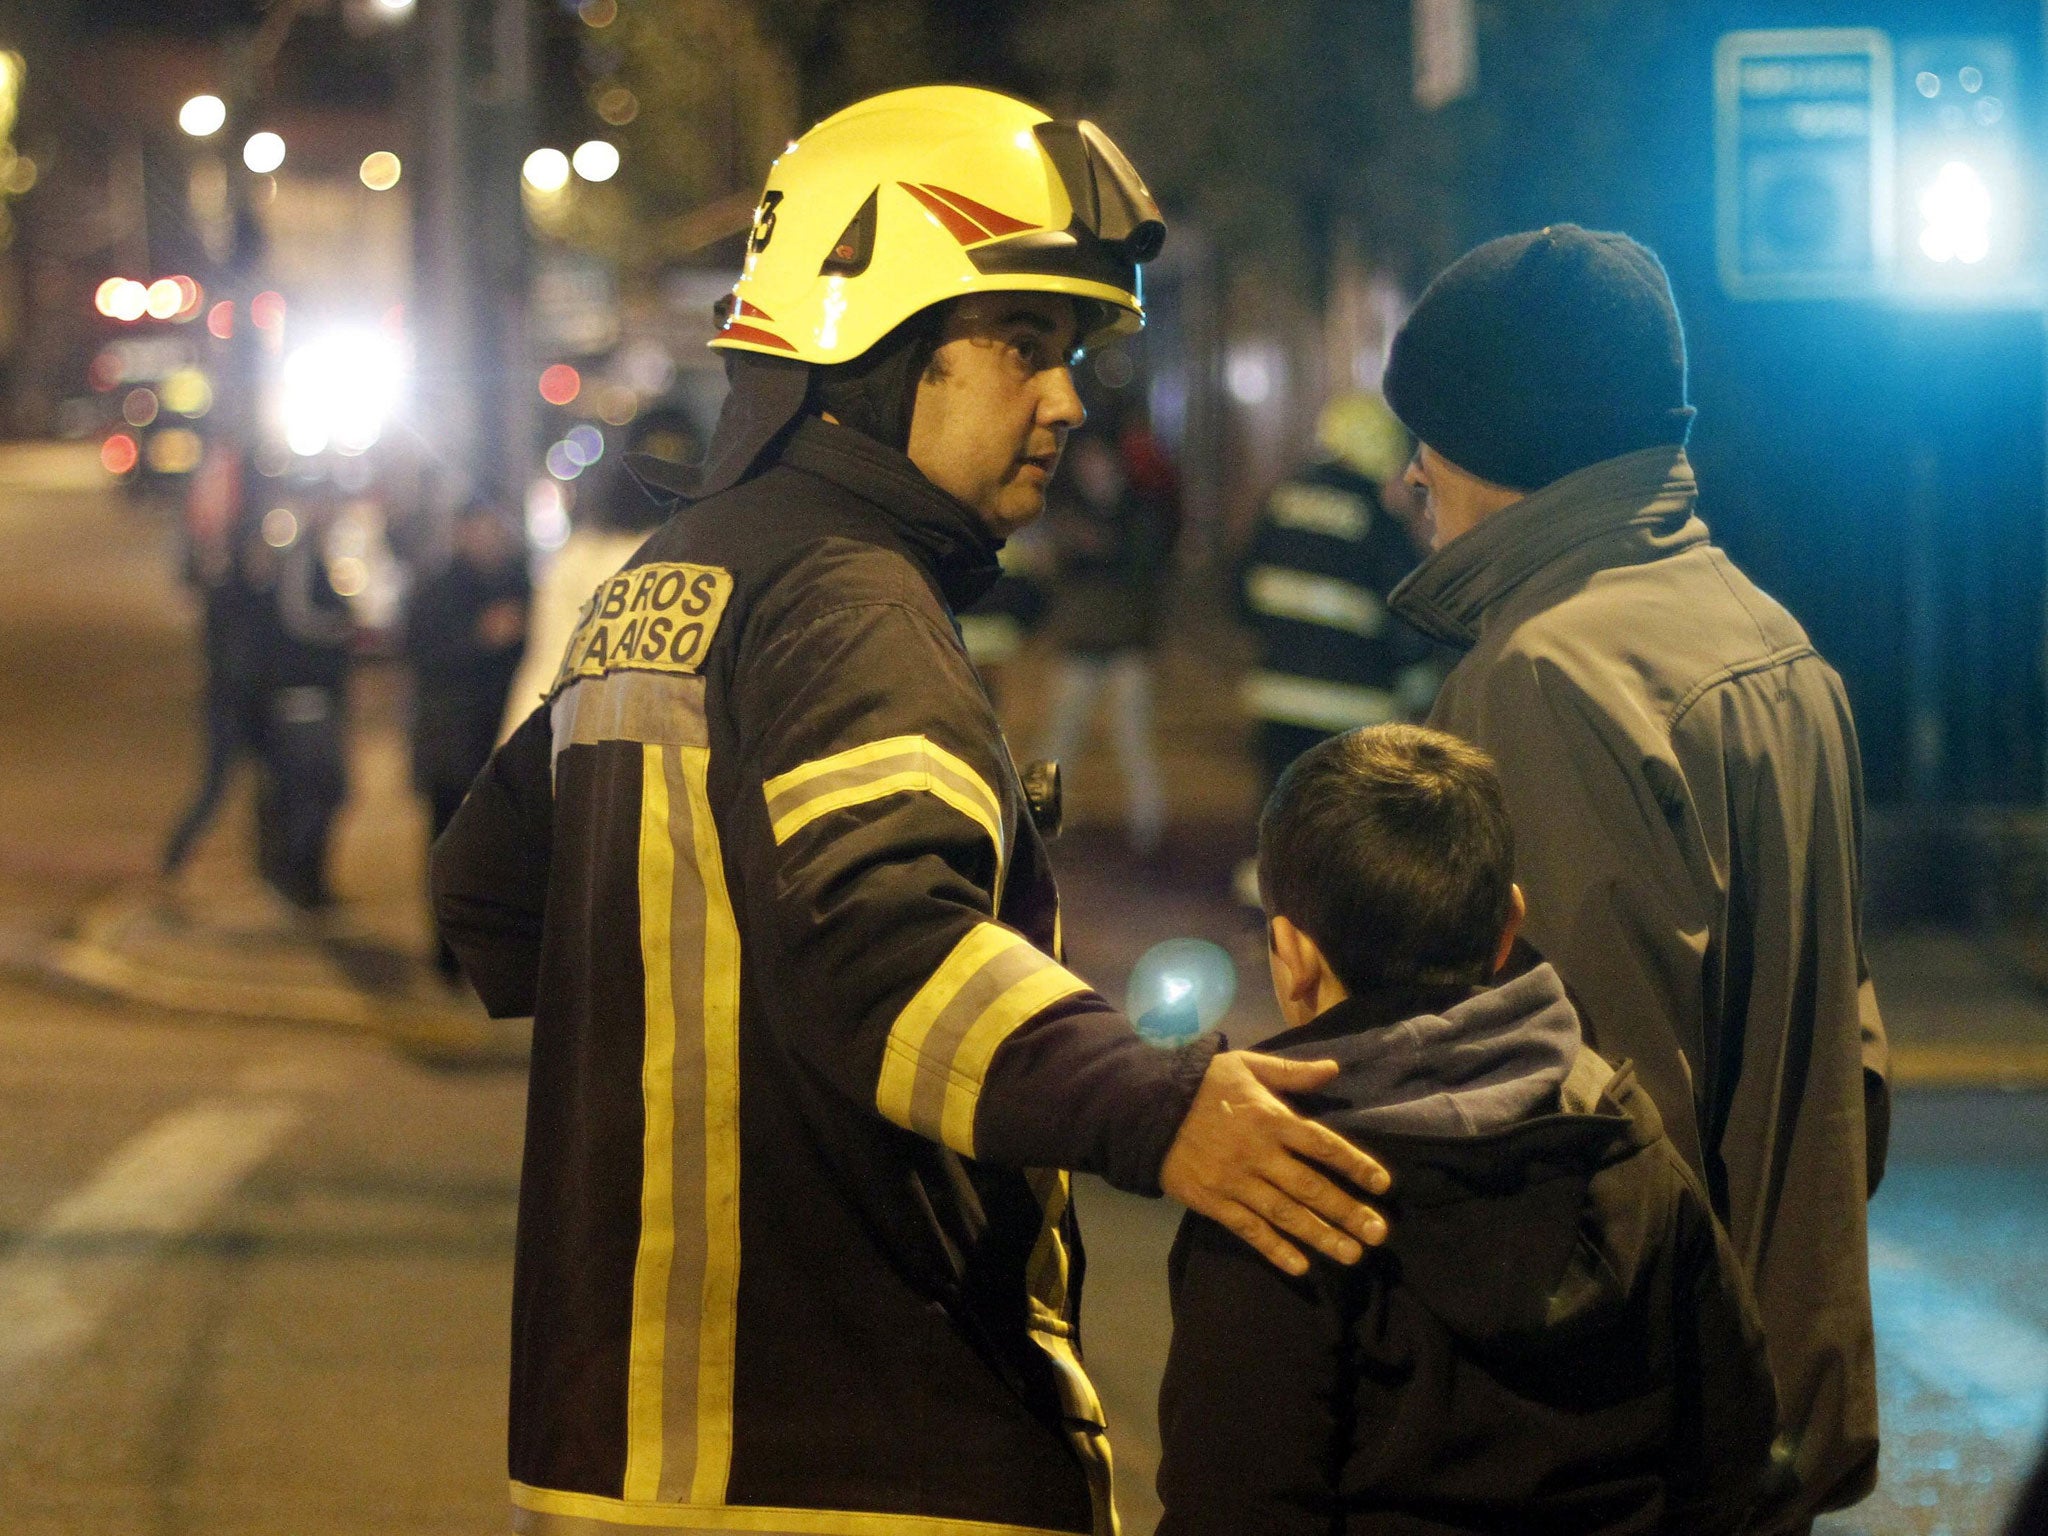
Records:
x=1803, y=161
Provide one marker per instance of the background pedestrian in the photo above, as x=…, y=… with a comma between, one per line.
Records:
x=464, y=634
x=1112, y=552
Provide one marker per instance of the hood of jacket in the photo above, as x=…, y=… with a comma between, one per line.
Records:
x=1495, y=1120
x=1465, y=1061
x=1623, y=511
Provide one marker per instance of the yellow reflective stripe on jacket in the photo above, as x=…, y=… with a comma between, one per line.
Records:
x=940, y=1046
x=858, y=775
x=1046, y=1276
x=686, y=1272
x=550, y=1512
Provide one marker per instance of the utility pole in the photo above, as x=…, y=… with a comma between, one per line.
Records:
x=473, y=110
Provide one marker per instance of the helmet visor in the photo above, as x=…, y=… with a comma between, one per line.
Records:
x=1116, y=226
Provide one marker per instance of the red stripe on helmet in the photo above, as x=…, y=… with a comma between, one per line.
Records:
x=997, y=224
x=958, y=224
x=754, y=333
x=748, y=311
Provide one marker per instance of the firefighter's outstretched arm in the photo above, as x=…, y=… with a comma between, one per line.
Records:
x=880, y=780
x=1248, y=1162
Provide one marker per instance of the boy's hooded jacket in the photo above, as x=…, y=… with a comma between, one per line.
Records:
x=1555, y=1338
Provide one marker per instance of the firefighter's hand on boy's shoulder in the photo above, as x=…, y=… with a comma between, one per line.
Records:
x=1247, y=1162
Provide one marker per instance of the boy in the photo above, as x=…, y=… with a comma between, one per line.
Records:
x=1556, y=1337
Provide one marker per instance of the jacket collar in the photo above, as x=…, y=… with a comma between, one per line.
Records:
x=1622, y=511
x=945, y=533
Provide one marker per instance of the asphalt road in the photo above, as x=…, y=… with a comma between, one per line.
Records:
x=255, y=1278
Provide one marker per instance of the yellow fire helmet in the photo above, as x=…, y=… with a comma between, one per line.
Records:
x=1357, y=429
x=914, y=197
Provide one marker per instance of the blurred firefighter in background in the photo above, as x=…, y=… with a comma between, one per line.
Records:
x=1330, y=543
x=794, y=1248
x=1112, y=546
x=465, y=628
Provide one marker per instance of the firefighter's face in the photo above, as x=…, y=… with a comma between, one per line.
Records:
x=996, y=405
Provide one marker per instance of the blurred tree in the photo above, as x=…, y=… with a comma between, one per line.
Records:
x=697, y=95
x=1288, y=134
x=847, y=49
x=700, y=95
x=1565, y=123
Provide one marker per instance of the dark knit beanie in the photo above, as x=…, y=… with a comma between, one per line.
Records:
x=1538, y=354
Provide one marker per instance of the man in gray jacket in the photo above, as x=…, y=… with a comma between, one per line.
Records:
x=1681, y=771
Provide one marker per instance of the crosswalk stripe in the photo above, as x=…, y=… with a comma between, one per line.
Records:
x=58, y=1283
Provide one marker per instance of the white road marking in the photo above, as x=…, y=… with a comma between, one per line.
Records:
x=60, y=1282
x=1994, y=1363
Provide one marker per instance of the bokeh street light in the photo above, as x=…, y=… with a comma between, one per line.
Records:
x=263, y=153
x=560, y=384
x=203, y=116
x=546, y=170
x=596, y=160
x=380, y=170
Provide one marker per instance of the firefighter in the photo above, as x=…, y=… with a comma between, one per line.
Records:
x=795, y=1245
x=1313, y=586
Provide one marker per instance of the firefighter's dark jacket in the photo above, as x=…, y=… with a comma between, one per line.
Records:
x=1556, y=1340
x=794, y=1252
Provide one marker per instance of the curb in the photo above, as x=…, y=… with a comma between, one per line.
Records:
x=92, y=958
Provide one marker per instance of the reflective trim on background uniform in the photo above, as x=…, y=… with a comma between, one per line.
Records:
x=547, y=1512
x=1319, y=705
x=1319, y=509
x=686, y=1274
x=940, y=1046
x=1307, y=598
x=897, y=765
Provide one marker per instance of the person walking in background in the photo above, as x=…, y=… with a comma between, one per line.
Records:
x=1326, y=551
x=611, y=521
x=304, y=635
x=1112, y=548
x=464, y=632
x=1681, y=770
x=217, y=529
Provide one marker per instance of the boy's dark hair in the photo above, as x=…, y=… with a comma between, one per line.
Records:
x=1390, y=847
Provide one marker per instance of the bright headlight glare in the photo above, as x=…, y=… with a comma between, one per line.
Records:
x=340, y=390
x=1955, y=209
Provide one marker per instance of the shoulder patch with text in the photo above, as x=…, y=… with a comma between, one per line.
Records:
x=652, y=618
